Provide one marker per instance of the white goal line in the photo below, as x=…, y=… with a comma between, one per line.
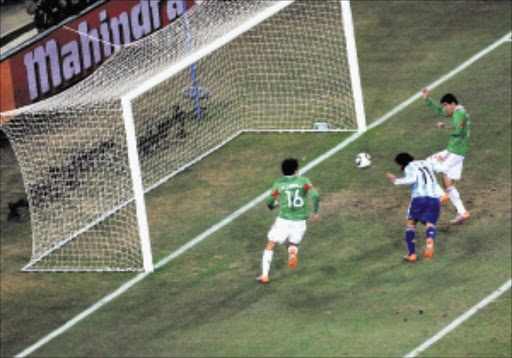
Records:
x=126, y=286
x=504, y=288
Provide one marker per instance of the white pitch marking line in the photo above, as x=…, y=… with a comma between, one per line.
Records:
x=504, y=288
x=248, y=206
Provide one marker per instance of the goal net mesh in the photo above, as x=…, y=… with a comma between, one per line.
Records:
x=284, y=74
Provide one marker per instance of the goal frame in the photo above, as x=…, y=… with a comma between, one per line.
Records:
x=132, y=145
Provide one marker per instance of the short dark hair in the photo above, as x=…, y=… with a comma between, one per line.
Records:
x=403, y=159
x=289, y=166
x=449, y=98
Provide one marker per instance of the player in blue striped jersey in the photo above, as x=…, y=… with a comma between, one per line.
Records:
x=425, y=201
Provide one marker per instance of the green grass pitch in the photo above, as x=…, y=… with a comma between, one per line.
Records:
x=351, y=295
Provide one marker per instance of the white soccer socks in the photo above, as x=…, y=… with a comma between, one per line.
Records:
x=455, y=198
x=269, y=254
x=265, y=262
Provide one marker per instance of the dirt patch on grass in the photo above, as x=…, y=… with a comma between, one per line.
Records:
x=368, y=204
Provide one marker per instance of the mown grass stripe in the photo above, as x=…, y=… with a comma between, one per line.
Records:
x=251, y=204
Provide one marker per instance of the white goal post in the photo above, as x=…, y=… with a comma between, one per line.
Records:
x=90, y=154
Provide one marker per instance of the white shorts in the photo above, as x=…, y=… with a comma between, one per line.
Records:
x=287, y=229
x=451, y=165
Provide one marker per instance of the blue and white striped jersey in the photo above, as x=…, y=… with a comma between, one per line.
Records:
x=420, y=175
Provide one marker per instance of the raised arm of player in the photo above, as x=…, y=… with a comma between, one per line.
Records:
x=440, y=111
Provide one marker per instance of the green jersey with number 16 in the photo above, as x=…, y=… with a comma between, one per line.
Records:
x=293, y=192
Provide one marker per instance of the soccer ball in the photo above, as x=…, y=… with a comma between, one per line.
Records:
x=363, y=160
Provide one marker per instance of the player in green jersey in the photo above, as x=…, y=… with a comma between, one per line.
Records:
x=452, y=158
x=291, y=194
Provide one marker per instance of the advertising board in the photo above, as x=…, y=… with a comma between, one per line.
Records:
x=72, y=51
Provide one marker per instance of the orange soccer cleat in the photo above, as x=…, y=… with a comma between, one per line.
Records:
x=459, y=218
x=411, y=258
x=444, y=199
x=429, y=250
x=292, y=258
x=264, y=279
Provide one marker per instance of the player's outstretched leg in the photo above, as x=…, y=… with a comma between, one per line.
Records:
x=462, y=214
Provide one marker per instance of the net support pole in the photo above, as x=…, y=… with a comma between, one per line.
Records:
x=197, y=104
x=202, y=52
x=138, y=190
x=353, y=65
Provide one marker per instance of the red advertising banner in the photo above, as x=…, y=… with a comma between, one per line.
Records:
x=73, y=51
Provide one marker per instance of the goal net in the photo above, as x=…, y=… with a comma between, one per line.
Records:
x=89, y=154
